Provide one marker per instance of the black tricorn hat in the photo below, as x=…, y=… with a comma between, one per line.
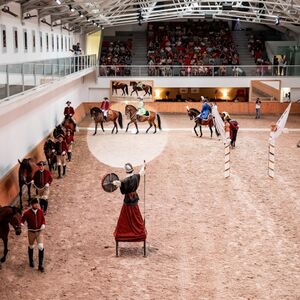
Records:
x=41, y=163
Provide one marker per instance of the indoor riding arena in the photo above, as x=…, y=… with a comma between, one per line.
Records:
x=149, y=150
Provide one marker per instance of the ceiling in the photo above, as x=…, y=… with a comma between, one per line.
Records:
x=85, y=16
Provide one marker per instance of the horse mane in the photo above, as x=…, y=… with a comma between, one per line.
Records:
x=96, y=109
x=131, y=106
x=195, y=110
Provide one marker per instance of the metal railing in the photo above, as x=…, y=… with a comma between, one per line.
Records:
x=16, y=78
x=199, y=70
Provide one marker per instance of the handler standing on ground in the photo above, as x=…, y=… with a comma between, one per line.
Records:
x=36, y=224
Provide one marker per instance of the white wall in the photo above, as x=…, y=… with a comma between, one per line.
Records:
x=27, y=119
x=11, y=55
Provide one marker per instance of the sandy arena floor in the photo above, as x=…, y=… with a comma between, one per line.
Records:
x=208, y=238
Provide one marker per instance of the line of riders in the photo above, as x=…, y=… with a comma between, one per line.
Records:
x=57, y=152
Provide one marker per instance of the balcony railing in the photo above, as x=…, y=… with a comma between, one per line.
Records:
x=17, y=78
x=200, y=70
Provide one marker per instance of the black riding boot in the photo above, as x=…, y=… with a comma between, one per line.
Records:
x=41, y=258
x=64, y=170
x=59, y=171
x=105, y=118
x=69, y=155
x=44, y=205
x=30, y=256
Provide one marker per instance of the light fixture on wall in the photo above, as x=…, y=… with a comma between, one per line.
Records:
x=29, y=16
x=7, y=10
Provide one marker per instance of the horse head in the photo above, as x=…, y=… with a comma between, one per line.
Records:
x=94, y=111
x=25, y=167
x=130, y=110
x=133, y=83
x=15, y=221
x=191, y=112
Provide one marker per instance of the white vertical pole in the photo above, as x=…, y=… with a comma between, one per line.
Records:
x=227, y=152
x=271, y=161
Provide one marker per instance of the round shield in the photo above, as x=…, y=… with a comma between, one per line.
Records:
x=107, y=182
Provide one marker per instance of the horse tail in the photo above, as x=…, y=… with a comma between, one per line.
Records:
x=158, y=121
x=150, y=87
x=120, y=119
x=216, y=130
x=126, y=89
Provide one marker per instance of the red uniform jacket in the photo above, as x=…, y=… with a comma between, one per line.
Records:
x=34, y=221
x=105, y=105
x=69, y=139
x=41, y=178
x=69, y=111
x=60, y=147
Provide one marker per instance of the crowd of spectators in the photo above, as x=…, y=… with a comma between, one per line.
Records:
x=116, y=55
x=256, y=46
x=190, y=48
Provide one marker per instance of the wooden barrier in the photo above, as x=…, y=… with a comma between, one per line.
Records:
x=236, y=108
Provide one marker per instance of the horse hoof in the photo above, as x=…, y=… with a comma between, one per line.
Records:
x=3, y=259
x=94, y=134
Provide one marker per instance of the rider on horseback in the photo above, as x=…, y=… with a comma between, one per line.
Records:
x=105, y=107
x=69, y=112
x=205, y=111
x=141, y=108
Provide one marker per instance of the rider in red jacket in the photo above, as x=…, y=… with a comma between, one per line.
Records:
x=105, y=107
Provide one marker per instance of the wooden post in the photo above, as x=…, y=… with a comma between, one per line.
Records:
x=271, y=161
x=227, y=152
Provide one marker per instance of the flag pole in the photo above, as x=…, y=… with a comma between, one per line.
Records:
x=227, y=152
x=271, y=162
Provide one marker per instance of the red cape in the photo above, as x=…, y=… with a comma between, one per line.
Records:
x=130, y=227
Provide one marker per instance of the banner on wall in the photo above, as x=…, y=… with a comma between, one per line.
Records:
x=130, y=90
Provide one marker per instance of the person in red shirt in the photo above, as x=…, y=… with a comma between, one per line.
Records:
x=69, y=138
x=61, y=149
x=42, y=180
x=105, y=107
x=69, y=112
x=36, y=224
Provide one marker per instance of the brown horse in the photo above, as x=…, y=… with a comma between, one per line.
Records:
x=49, y=150
x=131, y=112
x=146, y=88
x=26, y=172
x=113, y=115
x=118, y=85
x=68, y=123
x=193, y=113
x=9, y=215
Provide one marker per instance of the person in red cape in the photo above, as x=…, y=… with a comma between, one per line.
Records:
x=130, y=226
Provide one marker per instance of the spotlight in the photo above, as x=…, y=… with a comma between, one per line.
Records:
x=80, y=14
x=5, y=9
x=94, y=24
x=71, y=8
x=140, y=18
x=88, y=19
x=58, y=2
x=277, y=21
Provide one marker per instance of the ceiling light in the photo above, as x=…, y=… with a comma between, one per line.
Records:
x=80, y=14
x=277, y=21
x=71, y=8
x=58, y=2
